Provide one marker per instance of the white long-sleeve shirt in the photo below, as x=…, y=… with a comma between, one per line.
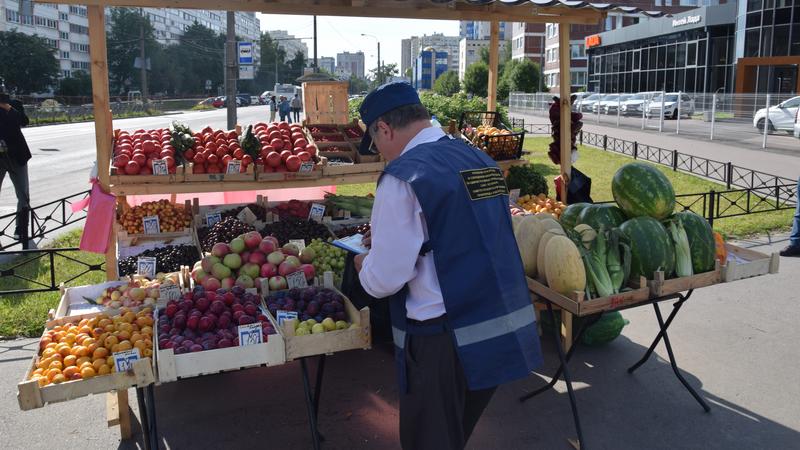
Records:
x=398, y=232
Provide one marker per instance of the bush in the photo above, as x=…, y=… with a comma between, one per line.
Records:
x=444, y=108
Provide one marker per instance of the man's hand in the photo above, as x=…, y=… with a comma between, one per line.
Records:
x=5, y=106
x=359, y=261
x=366, y=241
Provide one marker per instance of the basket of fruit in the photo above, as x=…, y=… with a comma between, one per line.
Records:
x=76, y=357
x=499, y=144
x=326, y=321
x=285, y=151
x=134, y=156
x=209, y=331
x=219, y=155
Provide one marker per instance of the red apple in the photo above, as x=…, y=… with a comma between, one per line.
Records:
x=293, y=163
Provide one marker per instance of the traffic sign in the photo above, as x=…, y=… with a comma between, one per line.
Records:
x=247, y=72
x=245, y=52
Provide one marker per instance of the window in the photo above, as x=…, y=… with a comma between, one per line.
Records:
x=64, y=55
x=691, y=54
x=78, y=10
x=45, y=22
x=578, y=50
x=79, y=29
x=81, y=48
x=80, y=65
x=63, y=35
x=63, y=16
x=66, y=73
x=577, y=78
x=51, y=42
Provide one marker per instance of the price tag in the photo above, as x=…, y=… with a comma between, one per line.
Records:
x=169, y=292
x=327, y=280
x=213, y=219
x=247, y=216
x=513, y=195
x=286, y=315
x=160, y=167
x=251, y=291
x=146, y=267
x=296, y=280
x=317, y=212
x=234, y=166
x=151, y=225
x=306, y=167
x=124, y=360
x=300, y=243
x=250, y=334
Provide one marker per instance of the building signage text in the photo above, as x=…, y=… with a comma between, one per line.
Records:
x=688, y=20
x=592, y=41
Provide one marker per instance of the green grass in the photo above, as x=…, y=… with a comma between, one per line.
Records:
x=600, y=166
x=25, y=314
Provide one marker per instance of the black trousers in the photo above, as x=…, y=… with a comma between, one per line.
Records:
x=19, y=178
x=439, y=411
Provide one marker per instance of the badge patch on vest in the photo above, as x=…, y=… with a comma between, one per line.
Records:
x=484, y=183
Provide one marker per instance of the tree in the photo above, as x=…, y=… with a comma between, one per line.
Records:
x=523, y=75
x=29, y=63
x=124, y=47
x=295, y=68
x=476, y=79
x=357, y=85
x=200, y=53
x=77, y=85
x=447, y=84
x=387, y=71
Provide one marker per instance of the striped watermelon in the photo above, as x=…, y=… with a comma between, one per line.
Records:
x=605, y=216
x=701, y=241
x=642, y=190
x=569, y=217
x=651, y=247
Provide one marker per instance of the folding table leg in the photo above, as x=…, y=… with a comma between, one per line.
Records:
x=143, y=418
x=152, y=418
x=312, y=416
x=675, y=308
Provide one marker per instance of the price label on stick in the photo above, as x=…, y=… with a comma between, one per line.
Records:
x=160, y=167
x=124, y=360
x=146, y=266
x=169, y=292
x=300, y=243
x=306, y=167
x=252, y=290
x=213, y=219
x=317, y=212
x=250, y=334
x=247, y=216
x=513, y=195
x=286, y=315
x=234, y=166
x=296, y=280
x=151, y=225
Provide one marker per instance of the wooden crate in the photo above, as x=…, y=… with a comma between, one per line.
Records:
x=191, y=177
x=289, y=176
x=117, y=176
x=746, y=263
x=135, y=244
x=579, y=306
x=199, y=211
x=328, y=170
x=331, y=341
x=660, y=287
x=172, y=367
x=73, y=303
x=326, y=101
x=30, y=395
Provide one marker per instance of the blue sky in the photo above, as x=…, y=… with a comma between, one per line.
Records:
x=338, y=34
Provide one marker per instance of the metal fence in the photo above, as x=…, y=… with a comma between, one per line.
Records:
x=24, y=262
x=42, y=220
x=49, y=112
x=737, y=118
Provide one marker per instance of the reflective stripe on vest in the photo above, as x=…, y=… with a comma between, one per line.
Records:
x=399, y=337
x=492, y=328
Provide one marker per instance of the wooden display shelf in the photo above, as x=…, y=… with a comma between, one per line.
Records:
x=191, y=177
x=660, y=287
x=289, y=176
x=745, y=263
x=357, y=168
x=577, y=305
x=231, y=186
x=118, y=176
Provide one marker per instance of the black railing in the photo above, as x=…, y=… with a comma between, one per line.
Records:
x=42, y=219
x=18, y=272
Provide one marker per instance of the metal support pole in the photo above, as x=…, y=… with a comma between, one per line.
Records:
x=143, y=59
x=645, y=104
x=713, y=114
x=316, y=67
x=766, y=125
x=380, y=68
x=597, y=104
x=619, y=108
x=661, y=115
x=230, y=72
x=712, y=200
x=678, y=124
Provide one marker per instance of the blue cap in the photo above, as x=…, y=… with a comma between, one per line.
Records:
x=382, y=100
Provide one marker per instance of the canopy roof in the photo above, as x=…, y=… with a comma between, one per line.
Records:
x=556, y=11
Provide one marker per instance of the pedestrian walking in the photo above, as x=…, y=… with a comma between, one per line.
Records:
x=793, y=249
x=14, y=156
x=297, y=106
x=273, y=108
x=462, y=319
x=284, y=108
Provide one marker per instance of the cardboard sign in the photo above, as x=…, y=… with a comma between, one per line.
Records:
x=160, y=167
x=286, y=315
x=306, y=167
x=124, y=360
x=213, y=219
x=296, y=280
x=513, y=195
x=151, y=225
x=250, y=334
x=327, y=280
x=300, y=243
x=234, y=166
x=317, y=212
x=247, y=216
x=146, y=267
x=169, y=292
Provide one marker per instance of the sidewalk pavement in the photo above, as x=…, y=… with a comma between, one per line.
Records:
x=735, y=343
x=781, y=164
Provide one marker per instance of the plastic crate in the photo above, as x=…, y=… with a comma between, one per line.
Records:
x=478, y=118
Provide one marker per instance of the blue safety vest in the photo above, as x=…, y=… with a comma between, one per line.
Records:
x=488, y=306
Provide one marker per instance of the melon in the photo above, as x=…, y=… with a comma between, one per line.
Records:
x=541, y=259
x=702, y=246
x=603, y=216
x=563, y=266
x=642, y=190
x=569, y=217
x=527, y=233
x=651, y=247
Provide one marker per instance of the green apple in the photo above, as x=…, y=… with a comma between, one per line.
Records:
x=341, y=325
x=329, y=324
x=301, y=331
x=317, y=328
x=311, y=322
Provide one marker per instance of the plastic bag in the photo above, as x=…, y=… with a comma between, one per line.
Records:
x=99, y=219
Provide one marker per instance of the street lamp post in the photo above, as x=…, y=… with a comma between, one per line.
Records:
x=379, y=75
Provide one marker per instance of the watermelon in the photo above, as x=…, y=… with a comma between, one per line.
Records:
x=651, y=247
x=569, y=217
x=642, y=190
x=701, y=241
x=605, y=215
x=605, y=330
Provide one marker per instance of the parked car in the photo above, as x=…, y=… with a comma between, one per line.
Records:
x=611, y=106
x=670, y=101
x=782, y=117
x=264, y=97
x=225, y=101
x=255, y=100
x=605, y=99
x=207, y=102
x=637, y=103
x=579, y=96
x=243, y=100
x=586, y=103
x=218, y=102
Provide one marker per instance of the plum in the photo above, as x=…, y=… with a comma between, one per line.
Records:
x=209, y=345
x=217, y=307
x=193, y=322
x=224, y=343
x=313, y=308
x=179, y=322
x=245, y=319
x=340, y=315
x=180, y=350
x=196, y=348
x=250, y=309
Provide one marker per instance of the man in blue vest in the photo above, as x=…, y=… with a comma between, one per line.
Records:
x=442, y=247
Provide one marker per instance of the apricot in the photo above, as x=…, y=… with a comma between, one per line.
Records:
x=70, y=361
x=100, y=352
x=50, y=373
x=59, y=379
x=87, y=372
x=98, y=364
x=81, y=360
x=64, y=350
x=111, y=341
x=104, y=370
x=70, y=371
